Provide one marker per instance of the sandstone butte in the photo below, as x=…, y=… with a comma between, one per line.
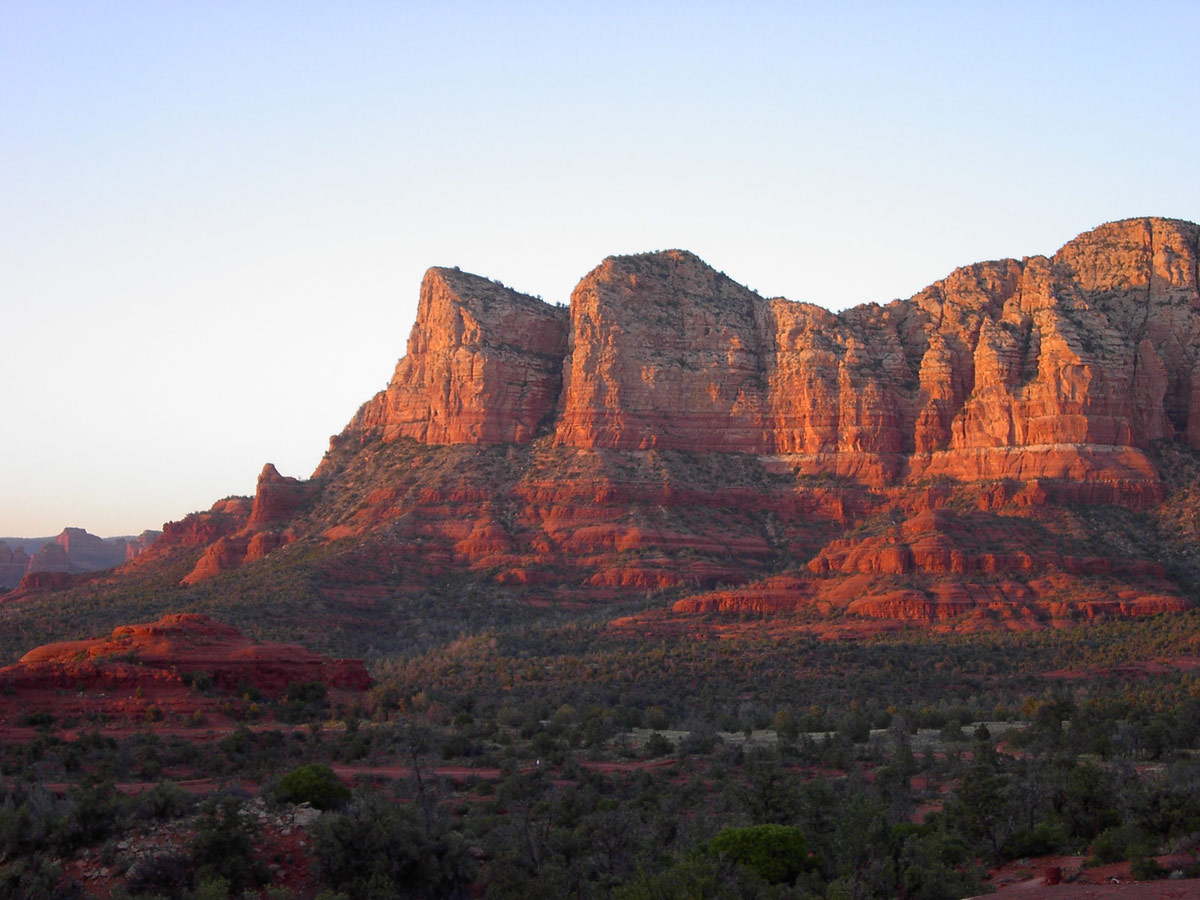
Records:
x=674, y=430
x=147, y=664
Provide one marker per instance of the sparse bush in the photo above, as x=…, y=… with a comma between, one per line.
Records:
x=38, y=718
x=223, y=846
x=314, y=783
x=167, y=875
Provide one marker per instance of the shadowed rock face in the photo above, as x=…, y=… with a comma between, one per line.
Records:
x=675, y=431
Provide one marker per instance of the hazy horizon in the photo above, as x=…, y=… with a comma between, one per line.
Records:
x=215, y=218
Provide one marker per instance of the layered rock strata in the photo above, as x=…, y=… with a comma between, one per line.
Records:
x=1062, y=368
x=484, y=365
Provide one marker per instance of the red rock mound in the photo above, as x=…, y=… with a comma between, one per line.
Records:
x=162, y=652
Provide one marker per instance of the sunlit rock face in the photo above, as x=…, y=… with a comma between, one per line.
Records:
x=484, y=365
x=1063, y=367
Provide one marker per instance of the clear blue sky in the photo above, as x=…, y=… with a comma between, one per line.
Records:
x=214, y=216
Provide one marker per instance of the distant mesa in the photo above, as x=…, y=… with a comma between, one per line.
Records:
x=74, y=551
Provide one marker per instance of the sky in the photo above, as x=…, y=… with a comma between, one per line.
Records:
x=214, y=217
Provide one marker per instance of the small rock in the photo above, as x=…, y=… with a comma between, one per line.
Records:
x=305, y=815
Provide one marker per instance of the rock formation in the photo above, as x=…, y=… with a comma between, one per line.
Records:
x=247, y=538
x=143, y=673
x=675, y=431
x=134, y=547
x=87, y=552
x=179, y=643
x=14, y=563
x=484, y=365
x=1063, y=368
x=74, y=550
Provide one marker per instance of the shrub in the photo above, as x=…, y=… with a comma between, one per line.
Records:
x=201, y=681
x=303, y=701
x=32, y=878
x=1142, y=864
x=314, y=783
x=658, y=745
x=165, y=800
x=786, y=727
x=223, y=846
x=1108, y=847
x=168, y=875
x=775, y=853
x=374, y=848
x=695, y=878
x=1043, y=839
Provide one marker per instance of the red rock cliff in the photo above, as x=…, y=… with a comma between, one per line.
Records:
x=664, y=352
x=1051, y=368
x=484, y=365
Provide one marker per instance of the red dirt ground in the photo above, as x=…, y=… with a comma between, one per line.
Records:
x=1026, y=880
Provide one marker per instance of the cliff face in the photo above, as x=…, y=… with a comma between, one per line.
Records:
x=677, y=432
x=1062, y=368
x=484, y=365
x=664, y=352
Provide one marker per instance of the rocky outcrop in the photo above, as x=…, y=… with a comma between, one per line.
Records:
x=74, y=550
x=276, y=500
x=176, y=644
x=979, y=569
x=195, y=530
x=664, y=352
x=135, y=547
x=484, y=365
x=52, y=557
x=88, y=553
